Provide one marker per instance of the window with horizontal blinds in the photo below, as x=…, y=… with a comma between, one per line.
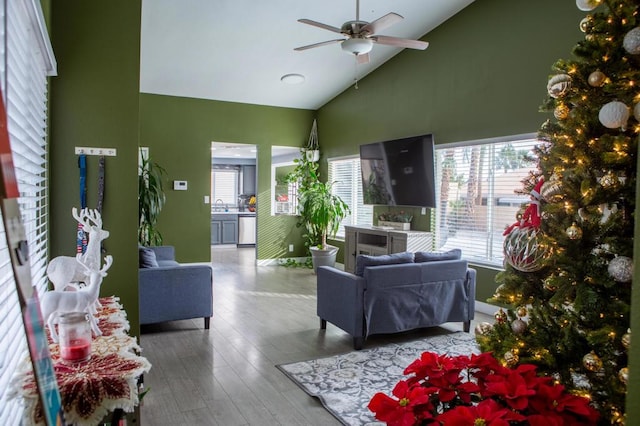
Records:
x=346, y=178
x=224, y=187
x=25, y=61
x=475, y=189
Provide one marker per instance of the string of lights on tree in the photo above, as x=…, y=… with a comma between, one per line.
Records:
x=566, y=287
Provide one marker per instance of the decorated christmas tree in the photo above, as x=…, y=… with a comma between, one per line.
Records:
x=566, y=286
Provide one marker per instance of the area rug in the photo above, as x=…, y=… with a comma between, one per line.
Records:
x=345, y=383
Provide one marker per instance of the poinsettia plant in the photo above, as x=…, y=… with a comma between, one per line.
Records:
x=477, y=390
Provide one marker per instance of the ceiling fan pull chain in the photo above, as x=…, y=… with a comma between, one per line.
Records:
x=355, y=72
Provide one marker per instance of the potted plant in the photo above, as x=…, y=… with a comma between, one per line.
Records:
x=323, y=212
x=151, y=199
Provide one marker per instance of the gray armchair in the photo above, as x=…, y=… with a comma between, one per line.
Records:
x=170, y=291
x=396, y=297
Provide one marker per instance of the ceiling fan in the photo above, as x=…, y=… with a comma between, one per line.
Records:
x=360, y=35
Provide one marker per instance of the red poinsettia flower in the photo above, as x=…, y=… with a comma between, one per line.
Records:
x=486, y=413
x=405, y=410
x=553, y=399
x=512, y=387
x=432, y=365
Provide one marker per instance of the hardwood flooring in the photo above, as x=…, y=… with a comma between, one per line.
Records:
x=262, y=316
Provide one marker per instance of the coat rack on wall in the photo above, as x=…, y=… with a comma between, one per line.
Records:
x=109, y=152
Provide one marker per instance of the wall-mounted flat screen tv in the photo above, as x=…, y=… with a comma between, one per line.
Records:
x=399, y=172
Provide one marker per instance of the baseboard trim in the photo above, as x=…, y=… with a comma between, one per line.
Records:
x=486, y=308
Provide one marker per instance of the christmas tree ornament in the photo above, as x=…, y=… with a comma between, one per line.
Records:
x=623, y=375
x=483, y=328
x=561, y=112
x=559, y=85
x=518, y=326
x=587, y=5
x=614, y=115
x=631, y=41
x=621, y=269
x=636, y=111
x=626, y=339
x=592, y=362
x=608, y=180
x=606, y=210
x=500, y=316
x=510, y=359
x=584, y=24
x=551, y=190
x=574, y=232
x=523, y=251
x=521, y=311
x=597, y=79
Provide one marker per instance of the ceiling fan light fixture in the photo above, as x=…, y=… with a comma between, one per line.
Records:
x=357, y=46
x=292, y=78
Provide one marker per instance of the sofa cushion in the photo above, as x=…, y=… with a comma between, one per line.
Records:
x=363, y=260
x=168, y=263
x=426, y=256
x=147, y=258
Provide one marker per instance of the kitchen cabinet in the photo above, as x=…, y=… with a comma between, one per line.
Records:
x=224, y=228
x=249, y=180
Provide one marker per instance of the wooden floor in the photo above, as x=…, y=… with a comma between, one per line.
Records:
x=262, y=316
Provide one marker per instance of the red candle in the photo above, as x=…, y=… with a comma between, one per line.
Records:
x=77, y=350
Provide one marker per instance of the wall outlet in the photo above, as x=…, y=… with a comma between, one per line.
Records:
x=290, y=247
x=206, y=199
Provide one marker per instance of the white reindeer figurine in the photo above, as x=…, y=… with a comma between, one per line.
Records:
x=65, y=270
x=57, y=302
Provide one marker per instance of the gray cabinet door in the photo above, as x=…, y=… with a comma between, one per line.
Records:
x=230, y=231
x=216, y=232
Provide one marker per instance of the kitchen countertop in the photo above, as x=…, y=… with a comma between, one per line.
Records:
x=234, y=213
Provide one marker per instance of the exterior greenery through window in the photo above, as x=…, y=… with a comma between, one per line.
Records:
x=475, y=188
x=344, y=172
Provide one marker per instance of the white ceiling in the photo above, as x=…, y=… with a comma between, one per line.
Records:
x=237, y=50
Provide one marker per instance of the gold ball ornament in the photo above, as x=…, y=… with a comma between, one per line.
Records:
x=561, y=112
x=523, y=251
x=614, y=115
x=631, y=41
x=500, y=316
x=597, y=79
x=483, y=329
x=552, y=191
x=623, y=375
x=592, y=362
x=518, y=326
x=521, y=311
x=574, y=232
x=608, y=180
x=621, y=269
x=587, y=5
x=559, y=85
x=510, y=359
x=626, y=339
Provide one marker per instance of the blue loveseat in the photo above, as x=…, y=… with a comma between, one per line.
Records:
x=398, y=292
x=170, y=291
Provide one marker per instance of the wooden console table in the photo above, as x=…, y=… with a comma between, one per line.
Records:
x=376, y=241
x=91, y=389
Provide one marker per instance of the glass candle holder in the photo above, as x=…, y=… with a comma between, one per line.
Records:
x=74, y=333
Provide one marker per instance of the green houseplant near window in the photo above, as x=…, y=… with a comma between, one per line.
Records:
x=323, y=212
x=151, y=199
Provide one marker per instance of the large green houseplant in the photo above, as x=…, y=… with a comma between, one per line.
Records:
x=151, y=199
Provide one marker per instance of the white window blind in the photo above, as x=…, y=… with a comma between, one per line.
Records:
x=475, y=189
x=347, y=184
x=24, y=67
x=224, y=187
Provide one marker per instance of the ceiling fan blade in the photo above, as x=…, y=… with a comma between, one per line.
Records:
x=381, y=23
x=322, y=43
x=362, y=58
x=400, y=42
x=320, y=25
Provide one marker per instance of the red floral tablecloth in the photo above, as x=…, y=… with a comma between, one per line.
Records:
x=91, y=389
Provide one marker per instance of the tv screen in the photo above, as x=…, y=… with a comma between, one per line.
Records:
x=399, y=172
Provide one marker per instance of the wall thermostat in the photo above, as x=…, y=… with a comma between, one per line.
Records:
x=180, y=185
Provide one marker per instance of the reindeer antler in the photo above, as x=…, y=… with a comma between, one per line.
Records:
x=87, y=217
x=108, y=260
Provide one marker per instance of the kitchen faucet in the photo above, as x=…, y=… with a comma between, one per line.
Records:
x=215, y=207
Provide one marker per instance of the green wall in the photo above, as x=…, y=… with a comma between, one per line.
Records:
x=94, y=103
x=179, y=132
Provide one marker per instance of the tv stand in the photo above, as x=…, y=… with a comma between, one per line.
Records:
x=376, y=241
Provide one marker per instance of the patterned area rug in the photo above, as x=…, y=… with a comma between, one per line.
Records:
x=345, y=383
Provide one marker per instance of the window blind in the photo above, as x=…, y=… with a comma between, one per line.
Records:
x=25, y=61
x=346, y=178
x=224, y=184
x=475, y=189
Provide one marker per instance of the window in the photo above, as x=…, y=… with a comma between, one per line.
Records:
x=475, y=186
x=224, y=186
x=25, y=61
x=346, y=178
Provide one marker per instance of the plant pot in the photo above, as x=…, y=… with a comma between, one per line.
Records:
x=313, y=155
x=320, y=257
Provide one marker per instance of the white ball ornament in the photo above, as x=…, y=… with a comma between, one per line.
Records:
x=559, y=85
x=584, y=25
x=636, y=111
x=631, y=42
x=587, y=5
x=614, y=115
x=621, y=269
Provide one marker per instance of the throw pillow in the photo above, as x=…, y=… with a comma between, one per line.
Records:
x=426, y=256
x=363, y=260
x=147, y=258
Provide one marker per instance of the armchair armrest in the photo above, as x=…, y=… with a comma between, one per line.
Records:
x=340, y=299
